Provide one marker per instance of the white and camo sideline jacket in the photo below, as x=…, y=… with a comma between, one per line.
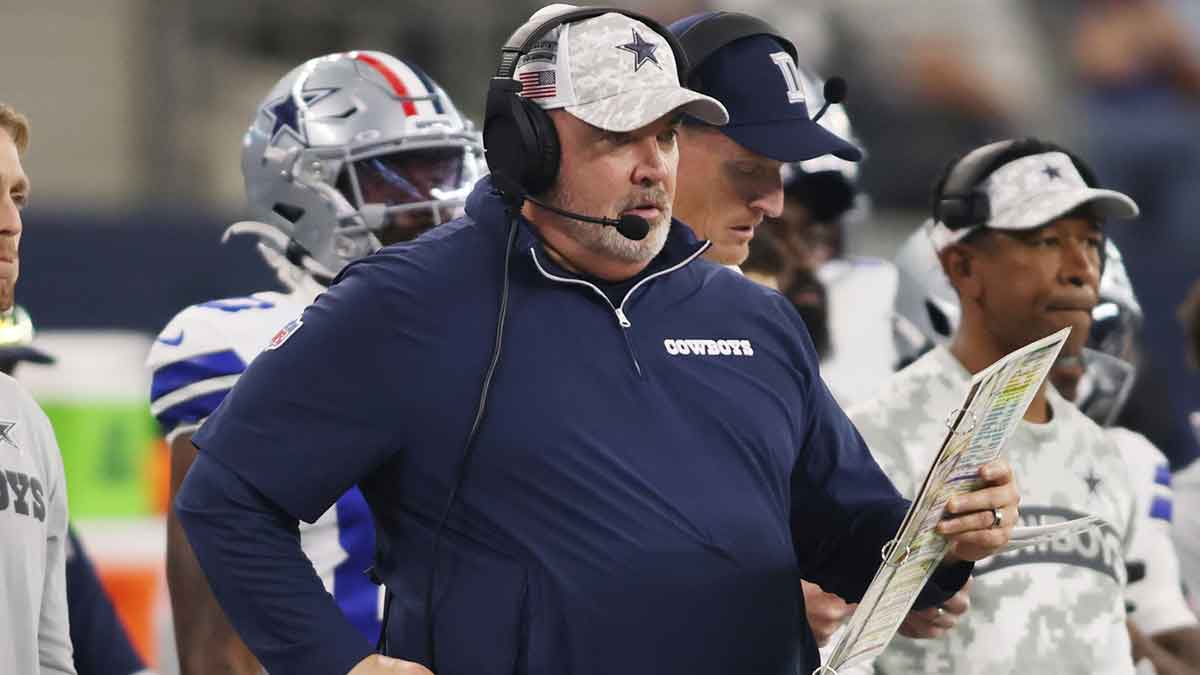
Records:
x=1056, y=608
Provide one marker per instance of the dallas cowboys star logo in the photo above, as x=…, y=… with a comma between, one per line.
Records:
x=1052, y=172
x=1093, y=481
x=286, y=112
x=643, y=51
x=6, y=427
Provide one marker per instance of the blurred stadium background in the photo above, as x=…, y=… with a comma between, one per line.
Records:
x=138, y=107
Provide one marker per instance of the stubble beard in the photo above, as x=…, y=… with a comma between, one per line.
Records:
x=606, y=240
x=7, y=293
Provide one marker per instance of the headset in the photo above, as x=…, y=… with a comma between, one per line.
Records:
x=519, y=139
x=714, y=30
x=962, y=203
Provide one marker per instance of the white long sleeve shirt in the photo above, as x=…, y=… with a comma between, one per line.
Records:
x=1056, y=608
x=34, y=634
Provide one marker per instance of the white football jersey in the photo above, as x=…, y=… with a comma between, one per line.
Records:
x=1185, y=523
x=860, y=293
x=196, y=360
x=1157, y=598
x=201, y=353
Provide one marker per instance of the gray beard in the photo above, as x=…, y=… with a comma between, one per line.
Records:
x=606, y=240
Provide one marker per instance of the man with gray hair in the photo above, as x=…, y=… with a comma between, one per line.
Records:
x=586, y=448
x=34, y=633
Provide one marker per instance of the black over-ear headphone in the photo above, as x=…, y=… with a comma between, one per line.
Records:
x=961, y=202
x=519, y=139
x=708, y=34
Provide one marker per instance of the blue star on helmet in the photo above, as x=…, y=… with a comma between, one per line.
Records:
x=1052, y=172
x=285, y=112
x=642, y=50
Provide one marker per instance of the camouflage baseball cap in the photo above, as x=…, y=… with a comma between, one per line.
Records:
x=611, y=71
x=1034, y=190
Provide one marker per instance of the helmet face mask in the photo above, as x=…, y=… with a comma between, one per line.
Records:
x=350, y=150
x=404, y=191
x=1116, y=331
x=1104, y=387
x=1117, y=318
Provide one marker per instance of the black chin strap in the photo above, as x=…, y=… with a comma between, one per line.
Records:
x=296, y=254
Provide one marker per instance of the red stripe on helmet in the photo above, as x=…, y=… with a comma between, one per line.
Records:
x=397, y=84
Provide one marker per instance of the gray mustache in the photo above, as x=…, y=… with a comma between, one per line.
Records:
x=657, y=198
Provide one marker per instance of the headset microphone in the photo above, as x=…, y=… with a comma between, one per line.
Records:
x=834, y=93
x=630, y=226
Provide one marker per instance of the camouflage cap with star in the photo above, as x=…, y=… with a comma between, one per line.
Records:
x=611, y=71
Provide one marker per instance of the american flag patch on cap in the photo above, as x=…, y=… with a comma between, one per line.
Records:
x=538, y=84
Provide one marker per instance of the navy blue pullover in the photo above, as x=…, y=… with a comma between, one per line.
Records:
x=649, y=485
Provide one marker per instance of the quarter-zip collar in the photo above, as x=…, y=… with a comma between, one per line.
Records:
x=486, y=208
x=618, y=309
x=553, y=272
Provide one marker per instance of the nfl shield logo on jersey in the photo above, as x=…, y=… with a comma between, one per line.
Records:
x=285, y=333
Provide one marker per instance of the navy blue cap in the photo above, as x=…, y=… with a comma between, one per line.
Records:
x=756, y=79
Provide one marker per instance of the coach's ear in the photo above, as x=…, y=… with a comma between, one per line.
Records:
x=960, y=263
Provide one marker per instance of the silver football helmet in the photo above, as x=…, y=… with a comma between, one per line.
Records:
x=927, y=311
x=1113, y=351
x=352, y=150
